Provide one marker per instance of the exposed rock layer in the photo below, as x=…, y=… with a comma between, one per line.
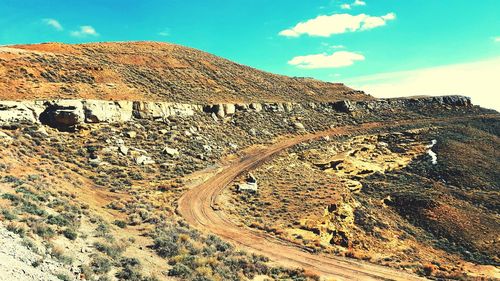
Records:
x=69, y=113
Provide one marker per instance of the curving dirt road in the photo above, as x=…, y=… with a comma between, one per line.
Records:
x=198, y=207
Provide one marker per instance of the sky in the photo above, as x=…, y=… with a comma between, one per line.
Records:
x=387, y=48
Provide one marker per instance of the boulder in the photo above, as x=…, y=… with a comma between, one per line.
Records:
x=63, y=114
x=229, y=109
x=123, y=149
x=170, y=151
x=344, y=106
x=248, y=187
x=299, y=126
x=256, y=107
x=288, y=106
x=131, y=134
x=144, y=160
x=218, y=109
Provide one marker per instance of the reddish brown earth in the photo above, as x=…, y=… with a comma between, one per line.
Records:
x=148, y=71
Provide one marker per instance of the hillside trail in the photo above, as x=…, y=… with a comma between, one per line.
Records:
x=198, y=206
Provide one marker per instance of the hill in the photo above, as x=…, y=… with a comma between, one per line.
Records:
x=203, y=169
x=148, y=71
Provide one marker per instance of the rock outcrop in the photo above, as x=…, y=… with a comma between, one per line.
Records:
x=352, y=106
x=68, y=114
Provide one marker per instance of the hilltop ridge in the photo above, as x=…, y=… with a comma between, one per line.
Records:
x=149, y=71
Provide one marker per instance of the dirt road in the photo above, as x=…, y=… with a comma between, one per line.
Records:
x=198, y=206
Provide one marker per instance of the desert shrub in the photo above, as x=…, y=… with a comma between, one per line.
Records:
x=33, y=209
x=43, y=231
x=100, y=265
x=70, y=234
x=180, y=270
x=12, y=198
x=13, y=180
x=8, y=215
x=57, y=220
x=112, y=250
x=130, y=270
x=166, y=247
x=102, y=230
x=120, y=223
x=16, y=228
x=64, y=277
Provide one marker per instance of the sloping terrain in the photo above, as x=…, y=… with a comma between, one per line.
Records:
x=148, y=71
x=143, y=187
x=394, y=197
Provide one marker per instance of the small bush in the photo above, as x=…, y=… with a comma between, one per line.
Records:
x=102, y=230
x=100, y=265
x=8, y=215
x=16, y=228
x=12, y=198
x=64, y=277
x=166, y=247
x=43, y=231
x=120, y=223
x=33, y=209
x=57, y=220
x=112, y=250
x=180, y=270
x=70, y=234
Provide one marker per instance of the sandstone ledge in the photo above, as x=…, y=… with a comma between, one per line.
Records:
x=69, y=113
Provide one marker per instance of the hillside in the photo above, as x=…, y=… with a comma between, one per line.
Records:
x=151, y=161
x=148, y=71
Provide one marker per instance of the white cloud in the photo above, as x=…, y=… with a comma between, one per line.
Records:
x=355, y=3
x=53, y=23
x=84, y=31
x=359, y=3
x=325, y=26
x=479, y=80
x=496, y=39
x=165, y=32
x=337, y=47
x=328, y=46
x=335, y=60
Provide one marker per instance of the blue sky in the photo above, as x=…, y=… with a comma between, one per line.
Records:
x=375, y=45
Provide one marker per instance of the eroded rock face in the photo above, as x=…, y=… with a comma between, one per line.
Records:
x=160, y=110
x=14, y=112
x=351, y=106
x=70, y=113
x=109, y=112
x=63, y=114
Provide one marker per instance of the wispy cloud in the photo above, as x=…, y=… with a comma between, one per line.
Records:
x=84, y=31
x=324, y=60
x=325, y=26
x=53, y=23
x=479, y=80
x=359, y=3
x=165, y=32
x=347, y=6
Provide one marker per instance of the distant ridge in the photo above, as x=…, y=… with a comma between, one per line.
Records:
x=149, y=71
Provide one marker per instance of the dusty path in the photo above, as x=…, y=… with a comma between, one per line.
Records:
x=198, y=207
